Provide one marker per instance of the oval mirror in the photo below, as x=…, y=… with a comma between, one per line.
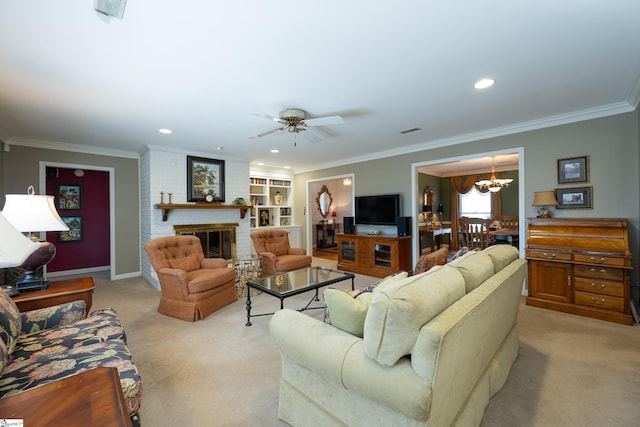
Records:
x=324, y=201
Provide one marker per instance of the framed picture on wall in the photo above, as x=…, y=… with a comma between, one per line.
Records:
x=263, y=217
x=69, y=197
x=75, y=229
x=575, y=169
x=205, y=177
x=574, y=198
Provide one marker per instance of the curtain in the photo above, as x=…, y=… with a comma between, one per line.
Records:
x=462, y=185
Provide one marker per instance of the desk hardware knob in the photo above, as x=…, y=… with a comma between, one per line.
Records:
x=602, y=301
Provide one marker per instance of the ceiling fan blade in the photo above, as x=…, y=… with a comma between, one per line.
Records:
x=325, y=121
x=265, y=133
x=267, y=116
x=310, y=136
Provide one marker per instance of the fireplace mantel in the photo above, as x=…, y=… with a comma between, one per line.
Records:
x=167, y=207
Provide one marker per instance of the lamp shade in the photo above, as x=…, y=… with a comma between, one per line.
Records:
x=544, y=198
x=32, y=213
x=15, y=247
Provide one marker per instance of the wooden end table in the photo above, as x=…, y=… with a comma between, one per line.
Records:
x=59, y=292
x=91, y=398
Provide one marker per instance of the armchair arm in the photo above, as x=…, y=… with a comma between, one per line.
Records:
x=270, y=257
x=214, y=263
x=173, y=282
x=48, y=317
x=297, y=251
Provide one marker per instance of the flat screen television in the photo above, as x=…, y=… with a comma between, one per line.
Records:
x=377, y=210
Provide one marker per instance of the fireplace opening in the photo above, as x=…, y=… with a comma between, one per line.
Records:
x=217, y=240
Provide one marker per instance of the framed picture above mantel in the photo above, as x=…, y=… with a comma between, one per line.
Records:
x=205, y=179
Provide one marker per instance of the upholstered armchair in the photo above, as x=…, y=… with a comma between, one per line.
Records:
x=277, y=256
x=192, y=286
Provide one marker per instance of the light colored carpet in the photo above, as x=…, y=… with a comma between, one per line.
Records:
x=571, y=371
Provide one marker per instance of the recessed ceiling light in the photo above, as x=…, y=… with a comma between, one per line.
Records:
x=260, y=164
x=165, y=131
x=484, y=83
x=287, y=167
x=219, y=148
x=275, y=151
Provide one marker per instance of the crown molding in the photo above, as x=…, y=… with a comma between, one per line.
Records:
x=64, y=146
x=547, y=122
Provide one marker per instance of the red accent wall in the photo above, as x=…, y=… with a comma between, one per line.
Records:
x=93, y=249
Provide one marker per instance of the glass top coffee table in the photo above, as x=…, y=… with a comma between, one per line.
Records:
x=293, y=283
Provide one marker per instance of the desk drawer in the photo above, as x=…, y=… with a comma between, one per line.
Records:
x=599, y=286
x=599, y=301
x=598, y=259
x=548, y=255
x=599, y=272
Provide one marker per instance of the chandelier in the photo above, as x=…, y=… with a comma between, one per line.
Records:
x=494, y=184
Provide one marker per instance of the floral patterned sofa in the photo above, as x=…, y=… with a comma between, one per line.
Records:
x=45, y=345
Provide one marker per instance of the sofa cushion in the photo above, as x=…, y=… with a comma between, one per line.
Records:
x=501, y=255
x=399, y=310
x=346, y=310
x=188, y=263
x=427, y=261
x=10, y=321
x=475, y=266
x=49, y=317
x=51, y=354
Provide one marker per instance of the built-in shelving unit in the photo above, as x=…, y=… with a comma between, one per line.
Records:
x=271, y=202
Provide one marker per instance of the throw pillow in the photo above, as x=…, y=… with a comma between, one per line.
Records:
x=346, y=310
x=188, y=263
x=457, y=254
x=278, y=248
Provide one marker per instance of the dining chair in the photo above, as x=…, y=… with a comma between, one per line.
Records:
x=510, y=222
x=474, y=232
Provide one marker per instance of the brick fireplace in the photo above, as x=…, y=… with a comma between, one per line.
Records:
x=218, y=240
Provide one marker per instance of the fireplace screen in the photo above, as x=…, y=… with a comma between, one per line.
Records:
x=217, y=240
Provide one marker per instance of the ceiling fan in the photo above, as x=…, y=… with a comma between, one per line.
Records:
x=293, y=120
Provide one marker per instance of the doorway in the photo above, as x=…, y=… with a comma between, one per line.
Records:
x=325, y=229
x=466, y=165
x=94, y=248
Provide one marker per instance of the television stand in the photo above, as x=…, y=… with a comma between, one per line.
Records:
x=374, y=255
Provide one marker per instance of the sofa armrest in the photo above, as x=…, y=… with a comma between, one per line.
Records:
x=310, y=343
x=297, y=251
x=49, y=317
x=339, y=356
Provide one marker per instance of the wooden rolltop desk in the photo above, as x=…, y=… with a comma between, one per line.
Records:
x=580, y=266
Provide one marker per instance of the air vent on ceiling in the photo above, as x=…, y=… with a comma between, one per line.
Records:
x=409, y=130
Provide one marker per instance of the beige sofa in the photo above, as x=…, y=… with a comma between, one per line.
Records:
x=436, y=347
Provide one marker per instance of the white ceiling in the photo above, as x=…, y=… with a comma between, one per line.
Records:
x=70, y=77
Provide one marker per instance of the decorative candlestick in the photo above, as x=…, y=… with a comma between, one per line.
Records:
x=162, y=197
x=170, y=194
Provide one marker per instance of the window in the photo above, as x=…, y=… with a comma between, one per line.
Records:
x=475, y=204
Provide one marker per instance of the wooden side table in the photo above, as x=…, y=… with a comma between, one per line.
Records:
x=91, y=398
x=60, y=292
